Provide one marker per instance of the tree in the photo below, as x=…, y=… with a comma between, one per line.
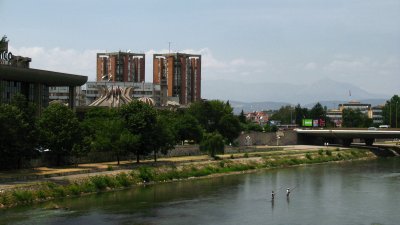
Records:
x=188, y=128
x=12, y=127
x=59, y=131
x=28, y=136
x=300, y=114
x=284, y=114
x=112, y=136
x=317, y=112
x=212, y=143
x=141, y=119
x=355, y=118
x=229, y=126
x=242, y=117
x=391, y=112
x=165, y=140
x=209, y=113
x=216, y=116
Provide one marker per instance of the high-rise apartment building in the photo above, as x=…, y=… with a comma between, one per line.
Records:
x=121, y=67
x=181, y=73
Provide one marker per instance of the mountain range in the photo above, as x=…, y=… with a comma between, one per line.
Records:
x=265, y=96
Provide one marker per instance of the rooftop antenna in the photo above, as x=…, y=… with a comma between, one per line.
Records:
x=169, y=47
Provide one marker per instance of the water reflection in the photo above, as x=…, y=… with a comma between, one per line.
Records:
x=351, y=193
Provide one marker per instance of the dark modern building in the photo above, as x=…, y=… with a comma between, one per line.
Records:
x=182, y=74
x=17, y=77
x=121, y=67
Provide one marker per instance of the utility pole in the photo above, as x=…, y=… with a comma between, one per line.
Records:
x=396, y=113
x=169, y=47
x=390, y=114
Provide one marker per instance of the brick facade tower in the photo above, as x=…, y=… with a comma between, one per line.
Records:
x=121, y=67
x=182, y=73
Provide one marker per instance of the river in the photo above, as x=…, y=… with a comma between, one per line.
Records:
x=362, y=192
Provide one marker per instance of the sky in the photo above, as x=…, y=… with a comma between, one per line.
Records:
x=241, y=41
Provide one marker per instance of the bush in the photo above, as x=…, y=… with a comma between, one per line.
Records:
x=308, y=156
x=320, y=152
x=123, y=180
x=246, y=155
x=42, y=194
x=232, y=156
x=110, y=168
x=354, y=153
x=73, y=189
x=23, y=195
x=88, y=187
x=146, y=174
x=328, y=152
x=99, y=182
x=110, y=181
x=59, y=192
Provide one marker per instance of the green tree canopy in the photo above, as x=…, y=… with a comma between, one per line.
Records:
x=285, y=114
x=300, y=114
x=212, y=143
x=317, y=112
x=355, y=118
x=12, y=128
x=141, y=119
x=188, y=128
x=216, y=116
x=229, y=125
x=391, y=112
x=59, y=131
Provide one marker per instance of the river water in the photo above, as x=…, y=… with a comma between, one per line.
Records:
x=364, y=192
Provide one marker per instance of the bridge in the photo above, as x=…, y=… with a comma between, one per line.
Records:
x=344, y=136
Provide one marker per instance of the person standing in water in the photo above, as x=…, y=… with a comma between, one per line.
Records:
x=273, y=195
x=287, y=192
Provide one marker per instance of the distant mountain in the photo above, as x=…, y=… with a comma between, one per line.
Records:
x=260, y=106
x=335, y=104
x=255, y=106
x=283, y=93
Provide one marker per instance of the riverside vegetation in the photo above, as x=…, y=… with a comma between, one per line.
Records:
x=46, y=191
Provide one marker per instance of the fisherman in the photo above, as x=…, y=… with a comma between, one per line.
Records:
x=273, y=195
x=287, y=192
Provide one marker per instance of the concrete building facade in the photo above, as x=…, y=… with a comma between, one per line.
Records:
x=120, y=67
x=17, y=78
x=374, y=113
x=181, y=73
x=139, y=90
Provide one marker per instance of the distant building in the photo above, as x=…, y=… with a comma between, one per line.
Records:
x=121, y=67
x=260, y=118
x=354, y=105
x=16, y=77
x=374, y=113
x=377, y=114
x=181, y=73
x=61, y=95
x=129, y=90
x=335, y=115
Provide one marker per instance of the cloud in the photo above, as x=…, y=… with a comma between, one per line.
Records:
x=366, y=72
x=310, y=66
x=61, y=60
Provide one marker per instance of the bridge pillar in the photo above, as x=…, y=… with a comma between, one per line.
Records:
x=369, y=141
x=347, y=141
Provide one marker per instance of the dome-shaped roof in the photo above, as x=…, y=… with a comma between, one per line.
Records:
x=172, y=103
x=148, y=101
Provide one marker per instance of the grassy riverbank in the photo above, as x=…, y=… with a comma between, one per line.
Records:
x=40, y=192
